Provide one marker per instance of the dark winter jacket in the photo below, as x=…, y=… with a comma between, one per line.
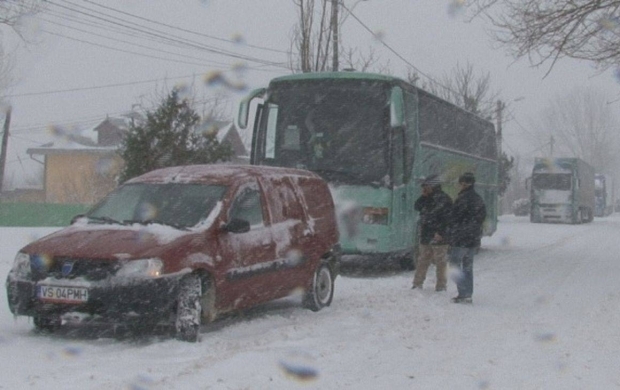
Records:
x=434, y=215
x=468, y=214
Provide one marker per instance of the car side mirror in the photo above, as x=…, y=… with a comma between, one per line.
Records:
x=237, y=225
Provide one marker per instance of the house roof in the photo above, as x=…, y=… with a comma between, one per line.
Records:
x=85, y=141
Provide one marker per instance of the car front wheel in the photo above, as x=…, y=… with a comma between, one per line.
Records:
x=322, y=291
x=188, y=315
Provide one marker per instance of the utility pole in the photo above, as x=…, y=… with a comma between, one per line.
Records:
x=500, y=108
x=5, y=141
x=551, y=142
x=335, y=35
x=500, y=173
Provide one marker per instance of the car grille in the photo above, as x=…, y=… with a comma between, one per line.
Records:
x=89, y=269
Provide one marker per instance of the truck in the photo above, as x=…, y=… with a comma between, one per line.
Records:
x=604, y=195
x=562, y=191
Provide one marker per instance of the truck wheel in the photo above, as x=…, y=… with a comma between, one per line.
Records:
x=47, y=323
x=322, y=291
x=187, y=321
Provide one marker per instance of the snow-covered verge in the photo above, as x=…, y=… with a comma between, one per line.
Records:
x=546, y=315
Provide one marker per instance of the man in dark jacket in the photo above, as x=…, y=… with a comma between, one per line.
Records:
x=434, y=208
x=465, y=230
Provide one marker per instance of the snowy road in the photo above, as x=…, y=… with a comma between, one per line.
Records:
x=546, y=315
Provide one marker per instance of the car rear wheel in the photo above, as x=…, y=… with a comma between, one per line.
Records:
x=322, y=291
x=188, y=315
x=47, y=323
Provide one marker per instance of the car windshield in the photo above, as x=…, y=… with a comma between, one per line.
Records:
x=180, y=205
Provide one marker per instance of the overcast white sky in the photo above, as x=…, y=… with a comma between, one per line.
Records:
x=73, y=51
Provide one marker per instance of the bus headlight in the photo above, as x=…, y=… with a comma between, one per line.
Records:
x=375, y=215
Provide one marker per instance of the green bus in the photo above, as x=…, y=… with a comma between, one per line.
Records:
x=373, y=138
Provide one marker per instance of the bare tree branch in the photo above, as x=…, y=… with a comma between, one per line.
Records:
x=464, y=88
x=547, y=30
x=582, y=125
x=312, y=40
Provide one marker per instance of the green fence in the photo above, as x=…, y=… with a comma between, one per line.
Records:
x=39, y=214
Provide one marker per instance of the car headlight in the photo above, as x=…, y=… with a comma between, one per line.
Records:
x=21, y=265
x=141, y=268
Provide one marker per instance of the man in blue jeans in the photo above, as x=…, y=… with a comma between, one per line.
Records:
x=465, y=231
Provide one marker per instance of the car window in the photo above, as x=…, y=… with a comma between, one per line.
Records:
x=248, y=206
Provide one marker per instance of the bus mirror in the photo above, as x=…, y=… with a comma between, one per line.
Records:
x=244, y=107
x=397, y=112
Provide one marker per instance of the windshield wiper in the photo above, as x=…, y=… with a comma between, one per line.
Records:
x=105, y=220
x=157, y=221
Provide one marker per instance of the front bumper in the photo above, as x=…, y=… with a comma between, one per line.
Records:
x=143, y=300
x=559, y=213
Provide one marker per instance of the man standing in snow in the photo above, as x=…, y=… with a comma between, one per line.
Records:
x=465, y=230
x=434, y=208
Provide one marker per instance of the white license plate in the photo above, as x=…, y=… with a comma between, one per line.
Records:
x=62, y=294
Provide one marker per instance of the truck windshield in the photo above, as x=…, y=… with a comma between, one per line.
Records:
x=180, y=205
x=552, y=181
x=336, y=128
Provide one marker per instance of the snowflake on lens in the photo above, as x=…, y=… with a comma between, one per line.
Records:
x=455, y=7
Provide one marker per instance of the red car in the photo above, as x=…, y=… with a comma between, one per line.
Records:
x=181, y=245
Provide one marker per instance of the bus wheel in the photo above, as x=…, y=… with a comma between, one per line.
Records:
x=407, y=262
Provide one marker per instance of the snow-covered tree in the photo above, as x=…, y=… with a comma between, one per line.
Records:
x=168, y=138
x=11, y=13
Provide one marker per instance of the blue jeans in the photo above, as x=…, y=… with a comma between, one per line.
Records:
x=462, y=261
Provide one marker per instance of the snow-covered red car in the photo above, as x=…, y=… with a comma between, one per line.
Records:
x=181, y=245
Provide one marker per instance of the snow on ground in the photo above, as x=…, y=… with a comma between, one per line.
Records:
x=546, y=315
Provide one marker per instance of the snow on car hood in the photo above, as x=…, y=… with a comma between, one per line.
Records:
x=107, y=241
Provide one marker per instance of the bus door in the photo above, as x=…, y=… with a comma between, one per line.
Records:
x=400, y=200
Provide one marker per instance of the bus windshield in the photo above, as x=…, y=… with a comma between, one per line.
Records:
x=336, y=128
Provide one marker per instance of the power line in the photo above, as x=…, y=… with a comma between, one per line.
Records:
x=159, y=34
x=95, y=87
x=185, y=30
x=382, y=41
x=96, y=119
x=137, y=44
x=391, y=49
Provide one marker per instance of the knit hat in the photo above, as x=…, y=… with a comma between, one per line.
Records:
x=431, y=180
x=467, y=177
